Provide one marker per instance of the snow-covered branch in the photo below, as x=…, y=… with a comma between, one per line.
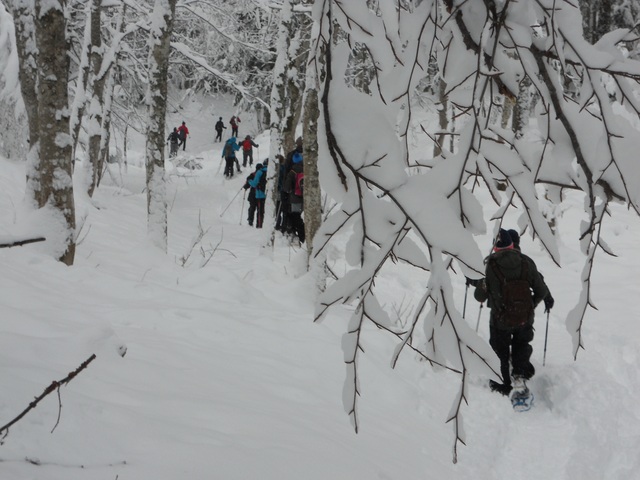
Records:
x=426, y=214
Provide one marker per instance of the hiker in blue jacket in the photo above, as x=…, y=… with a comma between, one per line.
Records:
x=259, y=182
x=252, y=195
x=229, y=155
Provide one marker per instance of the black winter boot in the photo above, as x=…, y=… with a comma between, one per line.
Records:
x=502, y=388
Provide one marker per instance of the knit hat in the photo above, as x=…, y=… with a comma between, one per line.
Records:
x=503, y=241
x=515, y=237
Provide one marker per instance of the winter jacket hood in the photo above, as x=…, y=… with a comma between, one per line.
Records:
x=233, y=145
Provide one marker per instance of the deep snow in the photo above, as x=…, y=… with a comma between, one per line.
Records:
x=227, y=377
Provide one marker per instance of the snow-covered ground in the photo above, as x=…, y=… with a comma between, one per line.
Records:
x=226, y=376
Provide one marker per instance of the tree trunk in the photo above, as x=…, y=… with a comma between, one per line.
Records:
x=597, y=18
x=286, y=92
x=94, y=163
x=443, y=120
x=55, y=188
x=315, y=74
x=159, y=43
x=294, y=76
x=80, y=98
x=312, y=192
x=13, y=121
x=605, y=19
x=507, y=111
x=108, y=101
x=278, y=96
x=522, y=108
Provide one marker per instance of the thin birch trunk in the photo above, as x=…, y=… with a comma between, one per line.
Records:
x=80, y=98
x=94, y=163
x=159, y=42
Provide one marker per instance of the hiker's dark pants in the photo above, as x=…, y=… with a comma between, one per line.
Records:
x=247, y=154
x=183, y=143
x=228, y=166
x=260, y=212
x=174, y=150
x=252, y=209
x=282, y=222
x=514, y=344
x=297, y=224
x=218, y=136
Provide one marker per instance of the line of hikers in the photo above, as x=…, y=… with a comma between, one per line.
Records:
x=234, y=121
x=178, y=138
x=229, y=150
x=512, y=286
x=290, y=188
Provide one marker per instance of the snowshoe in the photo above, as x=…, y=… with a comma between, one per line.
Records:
x=521, y=396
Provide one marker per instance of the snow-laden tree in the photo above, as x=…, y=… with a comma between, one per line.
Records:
x=287, y=89
x=426, y=214
x=42, y=46
x=312, y=198
x=601, y=16
x=221, y=46
x=161, y=26
x=13, y=131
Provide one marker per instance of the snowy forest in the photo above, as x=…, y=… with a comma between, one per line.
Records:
x=427, y=125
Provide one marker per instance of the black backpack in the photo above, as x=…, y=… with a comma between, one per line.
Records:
x=262, y=184
x=517, y=301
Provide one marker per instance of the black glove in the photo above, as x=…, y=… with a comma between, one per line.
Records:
x=548, y=303
x=472, y=282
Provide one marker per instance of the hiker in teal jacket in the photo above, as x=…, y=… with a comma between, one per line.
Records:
x=259, y=182
x=229, y=155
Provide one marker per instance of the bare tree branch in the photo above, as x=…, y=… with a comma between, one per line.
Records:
x=55, y=385
x=19, y=243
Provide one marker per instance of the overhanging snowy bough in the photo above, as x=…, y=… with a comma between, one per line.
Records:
x=398, y=206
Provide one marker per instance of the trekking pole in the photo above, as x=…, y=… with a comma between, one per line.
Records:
x=464, y=308
x=220, y=166
x=234, y=197
x=479, y=314
x=278, y=212
x=244, y=195
x=546, y=332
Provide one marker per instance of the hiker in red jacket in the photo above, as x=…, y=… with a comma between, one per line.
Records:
x=183, y=131
x=247, y=150
x=234, y=125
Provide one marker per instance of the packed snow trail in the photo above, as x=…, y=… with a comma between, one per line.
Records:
x=227, y=377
